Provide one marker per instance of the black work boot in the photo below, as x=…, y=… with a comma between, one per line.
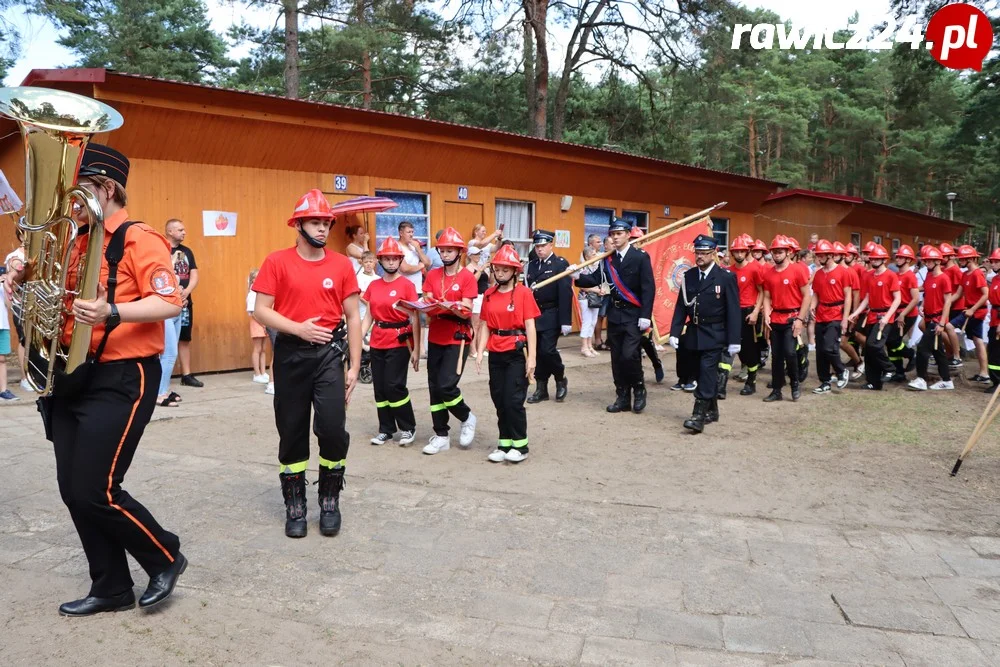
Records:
x=750, y=387
x=639, y=398
x=658, y=371
x=696, y=422
x=331, y=481
x=712, y=414
x=796, y=392
x=541, y=393
x=562, y=386
x=775, y=395
x=293, y=488
x=723, y=383
x=623, y=402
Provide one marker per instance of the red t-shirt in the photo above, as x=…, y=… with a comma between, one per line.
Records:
x=748, y=279
x=907, y=282
x=785, y=288
x=995, y=298
x=956, y=277
x=303, y=289
x=448, y=288
x=829, y=288
x=498, y=313
x=936, y=289
x=381, y=298
x=881, y=287
x=972, y=284
x=860, y=271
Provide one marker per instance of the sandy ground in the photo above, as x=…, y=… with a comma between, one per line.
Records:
x=848, y=489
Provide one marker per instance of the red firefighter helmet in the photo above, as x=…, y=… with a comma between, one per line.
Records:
x=878, y=251
x=839, y=248
x=995, y=255
x=947, y=250
x=852, y=250
x=450, y=238
x=793, y=244
x=506, y=256
x=389, y=248
x=635, y=233
x=905, y=251
x=759, y=245
x=868, y=247
x=967, y=252
x=739, y=243
x=930, y=252
x=780, y=242
x=824, y=247
x=311, y=205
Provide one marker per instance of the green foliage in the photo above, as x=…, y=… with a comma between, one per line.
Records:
x=171, y=39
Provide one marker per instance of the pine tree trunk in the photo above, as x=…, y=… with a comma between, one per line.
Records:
x=559, y=109
x=752, y=145
x=291, y=48
x=535, y=11
x=529, y=74
x=366, y=63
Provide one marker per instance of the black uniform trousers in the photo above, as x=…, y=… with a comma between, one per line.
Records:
x=932, y=345
x=308, y=375
x=783, y=356
x=993, y=355
x=626, y=355
x=547, y=357
x=95, y=435
x=649, y=347
x=707, y=363
x=877, y=349
x=686, y=361
x=442, y=382
x=751, y=341
x=902, y=352
x=392, y=398
x=508, y=389
x=828, y=350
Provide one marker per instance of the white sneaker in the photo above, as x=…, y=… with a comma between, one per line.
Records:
x=468, y=431
x=812, y=347
x=438, y=443
x=26, y=386
x=406, y=438
x=261, y=379
x=941, y=384
x=381, y=439
x=515, y=455
x=496, y=456
x=843, y=379
x=918, y=384
x=270, y=389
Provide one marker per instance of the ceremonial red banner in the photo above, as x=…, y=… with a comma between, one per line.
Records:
x=671, y=256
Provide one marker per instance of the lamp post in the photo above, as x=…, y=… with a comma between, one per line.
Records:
x=952, y=196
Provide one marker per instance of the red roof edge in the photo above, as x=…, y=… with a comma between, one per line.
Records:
x=71, y=75
x=815, y=194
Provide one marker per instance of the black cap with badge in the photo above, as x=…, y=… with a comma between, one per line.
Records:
x=703, y=242
x=99, y=160
x=619, y=225
x=542, y=236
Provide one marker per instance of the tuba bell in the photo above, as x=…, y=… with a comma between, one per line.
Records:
x=55, y=128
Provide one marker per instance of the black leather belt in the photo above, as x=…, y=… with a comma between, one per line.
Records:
x=392, y=325
x=621, y=303
x=709, y=320
x=133, y=360
x=453, y=318
x=879, y=310
x=831, y=304
x=508, y=332
x=546, y=305
x=287, y=339
x=784, y=311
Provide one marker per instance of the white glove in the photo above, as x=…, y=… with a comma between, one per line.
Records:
x=673, y=342
x=566, y=329
x=734, y=350
x=644, y=324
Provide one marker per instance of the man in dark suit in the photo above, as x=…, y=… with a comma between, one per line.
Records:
x=629, y=314
x=556, y=303
x=710, y=306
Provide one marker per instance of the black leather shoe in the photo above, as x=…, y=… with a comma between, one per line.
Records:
x=191, y=381
x=639, y=398
x=541, y=394
x=623, y=401
x=658, y=372
x=774, y=396
x=562, y=386
x=162, y=585
x=91, y=605
x=796, y=392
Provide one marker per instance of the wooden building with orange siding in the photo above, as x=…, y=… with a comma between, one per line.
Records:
x=196, y=148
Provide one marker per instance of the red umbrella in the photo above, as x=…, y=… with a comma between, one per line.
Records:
x=363, y=205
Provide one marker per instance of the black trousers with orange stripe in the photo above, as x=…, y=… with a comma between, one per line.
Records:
x=95, y=435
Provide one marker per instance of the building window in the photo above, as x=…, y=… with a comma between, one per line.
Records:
x=720, y=230
x=413, y=207
x=895, y=246
x=518, y=220
x=638, y=219
x=596, y=221
x=856, y=239
x=877, y=239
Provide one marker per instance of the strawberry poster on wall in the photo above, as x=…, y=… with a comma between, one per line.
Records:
x=218, y=223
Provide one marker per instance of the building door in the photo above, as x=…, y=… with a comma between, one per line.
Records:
x=463, y=216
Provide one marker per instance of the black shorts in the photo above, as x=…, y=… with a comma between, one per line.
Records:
x=186, y=329
x=19, y=327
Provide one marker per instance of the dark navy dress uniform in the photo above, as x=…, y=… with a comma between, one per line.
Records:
x=633, y=291
x=710, y=307
x=556, y=303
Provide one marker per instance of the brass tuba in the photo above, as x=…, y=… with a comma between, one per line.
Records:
x=55, y=128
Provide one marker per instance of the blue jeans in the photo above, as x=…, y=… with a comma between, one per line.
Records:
x=172, y=333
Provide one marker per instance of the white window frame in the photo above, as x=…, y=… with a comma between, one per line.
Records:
x=387, y=192
x=523, y=246
x=722, y=245
x=644, y=227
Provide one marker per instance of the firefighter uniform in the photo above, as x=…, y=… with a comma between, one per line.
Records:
x=555, y=301
x=993, y=341
x=97, y=414
x=710, y=308
x=633, y=291
x=749, y=280
x=310, y=376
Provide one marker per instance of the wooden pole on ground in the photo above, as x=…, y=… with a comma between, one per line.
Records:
x=977, y=433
